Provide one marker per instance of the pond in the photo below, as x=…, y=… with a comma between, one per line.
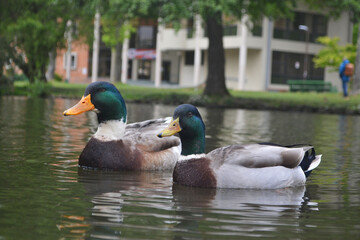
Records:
x=44, y=195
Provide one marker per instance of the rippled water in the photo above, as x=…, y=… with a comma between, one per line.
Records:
x=44, y=195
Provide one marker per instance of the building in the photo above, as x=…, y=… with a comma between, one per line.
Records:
x=260, y=58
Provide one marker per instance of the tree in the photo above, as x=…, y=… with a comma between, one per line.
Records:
x=117, y=22
x=32, y=29
x=212, y=13
x=117, y=27
x=332, y=54
x=334, y=9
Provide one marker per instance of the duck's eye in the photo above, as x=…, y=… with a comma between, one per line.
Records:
x=189, y=114
x=101, y=90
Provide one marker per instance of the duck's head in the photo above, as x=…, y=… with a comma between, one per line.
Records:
x=188, y=123
x=104, y=99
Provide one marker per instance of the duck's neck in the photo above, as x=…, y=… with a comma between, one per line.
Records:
x=194, y=144
x=111, y=108
x=111, y=130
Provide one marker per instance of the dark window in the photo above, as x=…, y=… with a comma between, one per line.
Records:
x=132, y=42
x=144, y=69
x=230, y=30
x=189, y=57
x=287, y=29
x=190, y=28
x=146, y=37
x=104, y=61
x=257, y=30
x=286, y=66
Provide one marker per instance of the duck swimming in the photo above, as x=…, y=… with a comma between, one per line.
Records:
x=118, y=146
x=257, y=166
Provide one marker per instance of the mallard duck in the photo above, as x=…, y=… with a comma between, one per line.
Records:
x=118, y=146
x=258, y=166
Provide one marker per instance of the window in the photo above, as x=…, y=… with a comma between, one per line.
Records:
x=286, y=29
x=144, y=69
x=146, y=37
x=256, y=28
x=73, y=61
x=189, y=58
x=230, y=30
x=190, y=28
x=286, y=66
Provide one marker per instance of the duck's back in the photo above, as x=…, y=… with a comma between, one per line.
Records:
x=152, y=126
x=259, y=166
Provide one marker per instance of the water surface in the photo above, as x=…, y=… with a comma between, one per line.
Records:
x=43, y=193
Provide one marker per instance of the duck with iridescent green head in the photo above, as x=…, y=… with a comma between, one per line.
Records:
x=120, y=146
x=257, y=166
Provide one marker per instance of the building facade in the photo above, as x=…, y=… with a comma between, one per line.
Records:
x=258, y=57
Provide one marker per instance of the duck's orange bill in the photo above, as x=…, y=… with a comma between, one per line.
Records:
x=174, y=127
x=82, y=106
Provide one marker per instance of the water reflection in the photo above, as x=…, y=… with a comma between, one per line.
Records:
x=241, y=212
x=118, y=198
x=239, y=199
x=127, y=201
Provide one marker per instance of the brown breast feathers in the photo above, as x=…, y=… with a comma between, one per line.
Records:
x=194, y=173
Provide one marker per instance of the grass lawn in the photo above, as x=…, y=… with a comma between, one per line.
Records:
x=301, y=101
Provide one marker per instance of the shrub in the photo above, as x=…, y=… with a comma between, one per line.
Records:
x=39, y=89
x=57, y=78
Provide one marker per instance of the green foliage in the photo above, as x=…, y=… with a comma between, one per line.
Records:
x=355, y=33
x=6, y=85
x=332, y=54
x=57, y=78
x=114, y=32
x=20, y=78
x=31, y=29
x=39, y=89
x=334, y=8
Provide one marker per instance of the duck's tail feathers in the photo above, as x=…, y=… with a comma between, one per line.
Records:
x=316, y=162
x=310, y=161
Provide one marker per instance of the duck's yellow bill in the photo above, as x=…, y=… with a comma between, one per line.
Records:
x=174, y=127
x=82, y=106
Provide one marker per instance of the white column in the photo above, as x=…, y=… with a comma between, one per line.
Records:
x=68, y=52
x=124, y=60
x=242, y=54
x=134, y=72
x=96, y=46
x=158, y=55
x=197, y=52
x=268, y=33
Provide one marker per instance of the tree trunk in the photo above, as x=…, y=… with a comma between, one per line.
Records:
x=113, y=65
x=43, y=73
x=51, y=67
x=215, y=82
x=356, y=78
